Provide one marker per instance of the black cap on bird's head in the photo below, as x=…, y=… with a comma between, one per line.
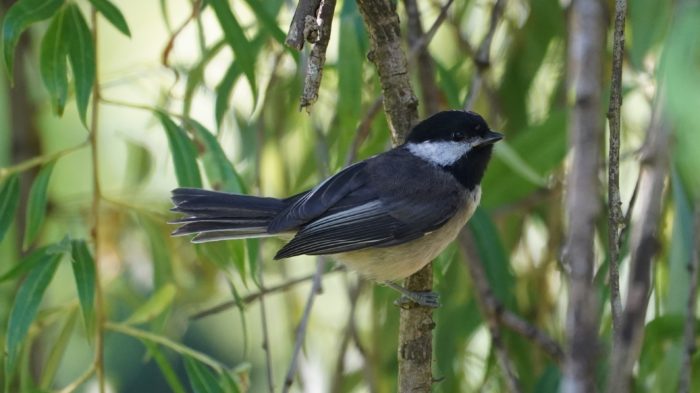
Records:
x=459, y=141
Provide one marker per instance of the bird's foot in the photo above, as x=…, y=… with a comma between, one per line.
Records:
x=409, y=299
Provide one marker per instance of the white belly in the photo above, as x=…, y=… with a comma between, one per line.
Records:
x=398, y=262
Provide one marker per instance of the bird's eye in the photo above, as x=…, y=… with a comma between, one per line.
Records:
x=457, y=136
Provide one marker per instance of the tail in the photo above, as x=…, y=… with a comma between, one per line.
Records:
x=216, y=215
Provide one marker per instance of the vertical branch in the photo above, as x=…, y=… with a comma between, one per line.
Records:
x=96, y=200
x=615, y=220
x=585, y=54
x=644, y=245
x=689, y=330
x=317, y=58
x=401, y=105
x=400, y=102
x=297, y=29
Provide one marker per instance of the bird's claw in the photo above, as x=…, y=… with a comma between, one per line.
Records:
x=410, y=299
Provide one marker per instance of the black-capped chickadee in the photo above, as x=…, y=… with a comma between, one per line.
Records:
x=385, y=217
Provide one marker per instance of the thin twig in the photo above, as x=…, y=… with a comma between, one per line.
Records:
x=39, y=160
x=297, y=29
x=529, y=331
x=266, y=335
x=488, y=304
x=425, y=66
x=482, y=57
x=354, y=295
x=301, y=329
x=586, y=48
x=100, y=316
x=615, y=219
x=255, y=296
x=317, y=57
x=689, y=338
x=644, y=245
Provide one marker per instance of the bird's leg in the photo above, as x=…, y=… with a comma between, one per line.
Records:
x=408, y=298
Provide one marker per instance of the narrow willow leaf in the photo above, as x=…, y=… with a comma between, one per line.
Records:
x=25, y=265
x=233, y=32
x=53, y=61
x=165, y=368
x=22, y=14
x=229, y=384
x=201, y=378
x=517, y=163
x=9, y=199
x=58, y=348
x=223, y=91
x=195, y=76
x=154, y=306
x=26, y=306
x=36, y=204
x=160, y=254
x=112, y=14
x=81, y=53
x=267, y=20
x=219, y=170
x=84, y=273
x=184, y=153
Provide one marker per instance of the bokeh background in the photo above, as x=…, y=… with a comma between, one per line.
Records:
x=178, y=61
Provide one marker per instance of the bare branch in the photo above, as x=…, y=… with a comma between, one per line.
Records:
x=482, y=57
x=488, y=304
x=400, y=102
x=297, y=34
x=266, y=336
x=615, y=220
x=426, y=69
x=644, y=246
x=317, y=58
x=301, y=329
x=689, y=330
x=585, y=55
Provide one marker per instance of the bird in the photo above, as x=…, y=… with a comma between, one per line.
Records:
x=385, y=217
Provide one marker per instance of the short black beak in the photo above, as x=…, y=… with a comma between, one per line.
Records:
x=490, y=138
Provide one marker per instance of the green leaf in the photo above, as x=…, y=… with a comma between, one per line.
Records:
x=9, y=199
x=22, y=14
x=53, y=61
x=229, y=384
x=26, y=305
x=25, y=265
x=85, y=279
x=154, y=306
x=81, y=53
x=58, y=348
x=184, y=153
x=165, y=367
x=223, y=91
x=112, y=14
x=267, y=20
x=219, y=169
x=36, y=204
x=233, y=32
x=201, y=378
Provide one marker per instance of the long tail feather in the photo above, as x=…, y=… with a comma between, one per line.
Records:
x=213, y=215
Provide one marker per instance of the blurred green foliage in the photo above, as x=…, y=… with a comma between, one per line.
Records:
x=204, y=93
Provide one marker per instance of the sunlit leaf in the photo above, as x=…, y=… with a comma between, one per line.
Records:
x=165, y=368
x=22, y=14
x=36, y=204
x=84, y=273
x=517, y=163
x=154, y=306
x=195, y=77
x=9, y=199
x=58, y=349
x=139, y=164
x=244, y=53
x=160, y=254
x=112, y=14
x=53, y=61
x=183, y=152
x=26, y=306
x=221, y=173
x=202, y=379
x=81, y=53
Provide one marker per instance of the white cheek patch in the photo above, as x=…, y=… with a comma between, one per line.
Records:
x=442, y=153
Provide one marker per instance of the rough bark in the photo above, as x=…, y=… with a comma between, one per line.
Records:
x=401, y=106
x=585, y=54
x=297, y=34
